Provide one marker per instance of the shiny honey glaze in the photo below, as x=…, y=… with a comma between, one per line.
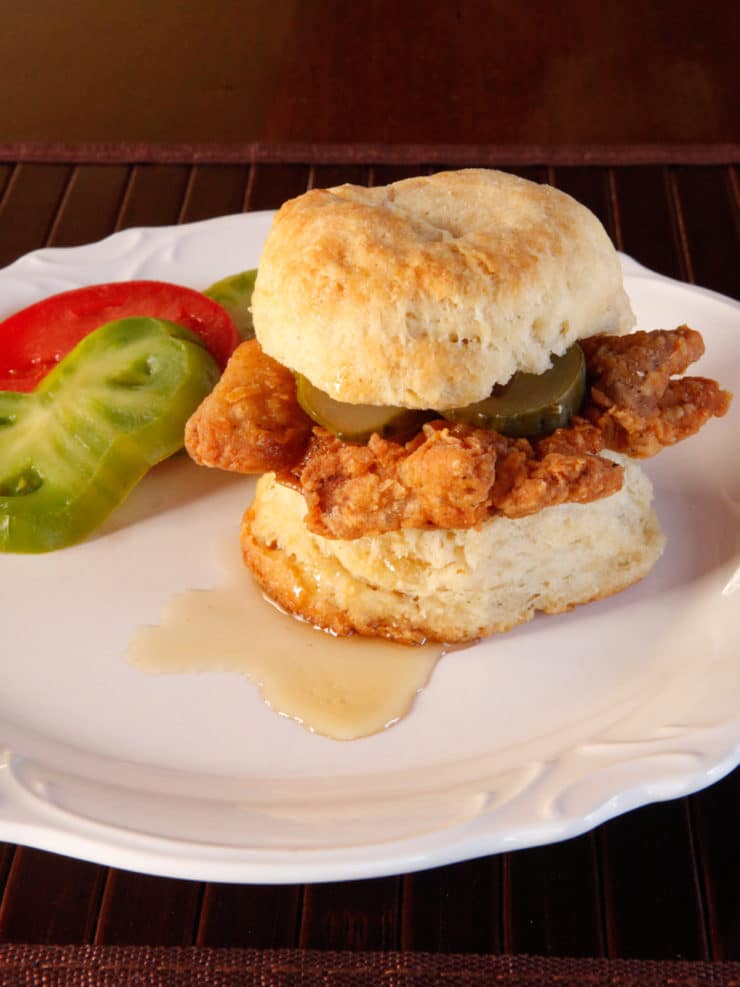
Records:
x=343, y=688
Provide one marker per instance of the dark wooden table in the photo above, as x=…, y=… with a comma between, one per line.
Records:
x=661, y=883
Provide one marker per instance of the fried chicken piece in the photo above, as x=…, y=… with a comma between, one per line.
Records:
x=251, y=422
x=634, y=401
x=449, y=476
x=456, y=476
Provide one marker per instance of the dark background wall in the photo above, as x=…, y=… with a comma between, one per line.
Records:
x=373, y=70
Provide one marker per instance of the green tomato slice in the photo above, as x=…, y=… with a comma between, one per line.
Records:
x=531, y=404
x=72, y=450
x=235, y=295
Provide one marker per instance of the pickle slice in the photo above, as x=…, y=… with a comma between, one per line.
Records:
x=356, y=422
x=531, y=404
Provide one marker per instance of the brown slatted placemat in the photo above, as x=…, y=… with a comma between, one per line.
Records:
x=113, y=966
x=459, y=155
x=660, y=883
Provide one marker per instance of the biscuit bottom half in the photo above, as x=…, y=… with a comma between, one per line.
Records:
x=451, y=585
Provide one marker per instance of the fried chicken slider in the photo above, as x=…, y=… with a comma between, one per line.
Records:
x=446, y=408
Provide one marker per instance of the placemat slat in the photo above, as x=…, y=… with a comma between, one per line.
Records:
x=327, y=176
x=717, y=814
x=50, y=899
x=154, y=196
x=91, y=205
x=454, y=909
x=136, y=909
x=6, y=170
x=29, y=206
x=588, y=185
x=351, y=915
x=651, y=905
x=250, y=916
x=7, y=850
x=272, y=184
x=708, y=211
x=646, y=219
x=214, y=190
x=385, y=174
x=552, y=900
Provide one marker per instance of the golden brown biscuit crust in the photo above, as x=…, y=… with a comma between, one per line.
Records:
x=427, y=292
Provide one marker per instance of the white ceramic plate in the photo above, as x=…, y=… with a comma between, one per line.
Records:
x=525, y=739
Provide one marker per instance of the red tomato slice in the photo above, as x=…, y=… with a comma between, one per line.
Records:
x=35, y=339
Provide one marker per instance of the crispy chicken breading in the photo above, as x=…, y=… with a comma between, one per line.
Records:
x=449, y=476
x=633, y=399
x=251, y=422
x=456, y=476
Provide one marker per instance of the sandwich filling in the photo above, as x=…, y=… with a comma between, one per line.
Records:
x=455, y=473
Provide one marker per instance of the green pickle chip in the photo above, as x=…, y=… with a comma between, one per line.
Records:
x=531, y=404
x=356, y=422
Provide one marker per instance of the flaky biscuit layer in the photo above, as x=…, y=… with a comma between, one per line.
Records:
x=427, y=292
x=451, y=585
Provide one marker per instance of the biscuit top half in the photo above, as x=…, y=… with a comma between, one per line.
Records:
x=427, y=292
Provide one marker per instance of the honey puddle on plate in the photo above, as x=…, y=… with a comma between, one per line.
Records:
x=343, y=688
